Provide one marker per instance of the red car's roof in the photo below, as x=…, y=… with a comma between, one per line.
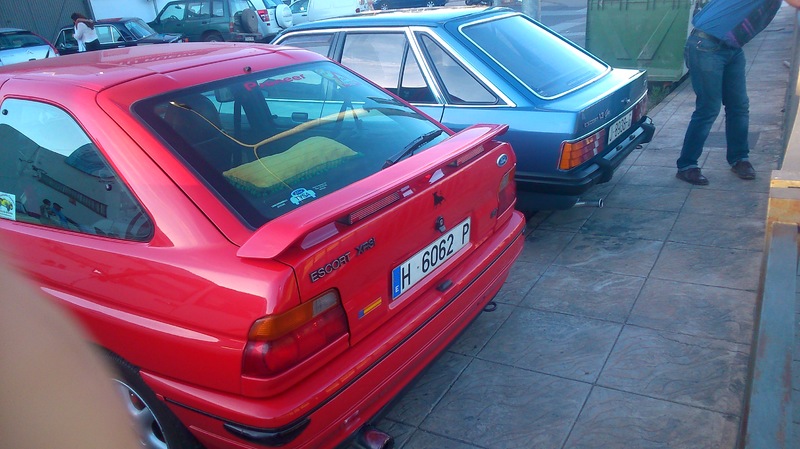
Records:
x=100, y=69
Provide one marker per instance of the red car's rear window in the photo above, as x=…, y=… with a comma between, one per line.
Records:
x=274, y=141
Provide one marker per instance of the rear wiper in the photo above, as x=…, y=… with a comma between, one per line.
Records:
x=413, y=146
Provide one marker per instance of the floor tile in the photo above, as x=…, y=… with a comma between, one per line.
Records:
x=688, y=370
x=553, y=343
x=630, y=223
x=720, y=267
x=720, y=231
x=648, y=197
x=615, y=419
x=710, y=312
x=610, y=254
x=417, y=402
x=498, y=406
x=587, y=293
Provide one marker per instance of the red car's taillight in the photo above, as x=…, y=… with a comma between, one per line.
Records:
x=507, y=192
x=277, y=343
x=576, y=153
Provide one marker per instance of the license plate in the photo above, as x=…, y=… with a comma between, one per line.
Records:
x=619, y=127
x=413, y=270
x=249, y=38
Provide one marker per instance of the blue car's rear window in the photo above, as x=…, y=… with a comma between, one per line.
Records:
x=539, y=59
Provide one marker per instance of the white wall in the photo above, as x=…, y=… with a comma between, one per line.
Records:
x=144, y=9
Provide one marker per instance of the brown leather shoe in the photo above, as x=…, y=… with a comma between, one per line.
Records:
x=744, y=170
x=692, y=176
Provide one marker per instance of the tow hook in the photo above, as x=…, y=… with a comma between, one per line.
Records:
x=372, y=438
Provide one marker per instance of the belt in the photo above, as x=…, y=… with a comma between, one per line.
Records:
x=703, y=35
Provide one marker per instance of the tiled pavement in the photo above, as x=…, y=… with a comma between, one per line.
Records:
x=627, y=326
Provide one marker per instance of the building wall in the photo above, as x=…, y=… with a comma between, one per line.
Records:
x=44, y=17
x=144, y=9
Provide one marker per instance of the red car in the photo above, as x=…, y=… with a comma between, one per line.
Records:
x=268, y=246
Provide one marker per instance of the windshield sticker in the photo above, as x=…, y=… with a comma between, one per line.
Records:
x=279, y=204
x=320, y=187
x=341, y=79
x=252, y=85
x=300, y=195
x=8, y=206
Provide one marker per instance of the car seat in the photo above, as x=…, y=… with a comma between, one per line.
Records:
x=196, y=121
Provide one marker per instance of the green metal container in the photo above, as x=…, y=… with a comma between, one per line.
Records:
x=642, y=34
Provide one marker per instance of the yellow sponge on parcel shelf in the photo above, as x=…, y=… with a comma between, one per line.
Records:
x=303, y=160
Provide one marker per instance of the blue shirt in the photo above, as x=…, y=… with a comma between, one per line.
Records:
x=735, y=22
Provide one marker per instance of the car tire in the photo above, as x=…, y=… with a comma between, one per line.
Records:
x=213, y=36
x=156, y=426
x=249, y=20
x=283, y=15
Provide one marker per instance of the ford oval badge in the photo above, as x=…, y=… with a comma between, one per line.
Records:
x=501, y=161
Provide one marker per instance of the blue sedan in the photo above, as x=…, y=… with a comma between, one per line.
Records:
x=572, y=118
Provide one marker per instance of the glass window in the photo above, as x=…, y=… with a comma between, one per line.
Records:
x=376, y=56
x=138, y=28
x=270, y=142
x=66, y=40
x=459, y=85
x=107, y=34
x=19, y=39
x=173, y=12
x=542, y=61
x=318, y=43
x=52, y=174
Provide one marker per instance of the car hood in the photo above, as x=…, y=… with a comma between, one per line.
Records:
x=160, y=38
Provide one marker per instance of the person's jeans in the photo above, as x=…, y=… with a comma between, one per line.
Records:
x=717, y=72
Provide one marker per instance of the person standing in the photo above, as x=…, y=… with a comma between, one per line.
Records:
x=84, y=33
x=716, y=62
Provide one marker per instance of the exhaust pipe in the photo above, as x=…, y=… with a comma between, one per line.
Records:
x=372, y=438
x=589, y=203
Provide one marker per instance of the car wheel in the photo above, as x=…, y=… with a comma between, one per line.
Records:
x=212, y=37
x=249, y=20
x=156, y=426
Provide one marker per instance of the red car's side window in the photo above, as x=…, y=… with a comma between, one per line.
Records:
x=52, y=174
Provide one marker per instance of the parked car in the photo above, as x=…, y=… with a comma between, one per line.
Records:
x=275, y=16
x=572, y=118
x=210, y=20
x=18, y=45
x=324, y=9
x=114, y=33
x=266, y=245
x=299, y=9
x=397, y=4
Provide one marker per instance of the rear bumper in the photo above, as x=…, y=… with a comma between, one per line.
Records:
x=561, y=191
x=216, y=419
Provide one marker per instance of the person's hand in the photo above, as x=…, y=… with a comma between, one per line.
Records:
x=795, y=3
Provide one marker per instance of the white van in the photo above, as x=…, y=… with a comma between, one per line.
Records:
x=323, y=9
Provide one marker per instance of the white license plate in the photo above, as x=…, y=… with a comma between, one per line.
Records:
x=619, y=127
x=413, y=270
x=249, y=39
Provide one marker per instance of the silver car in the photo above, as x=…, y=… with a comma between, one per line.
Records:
x=17, y=45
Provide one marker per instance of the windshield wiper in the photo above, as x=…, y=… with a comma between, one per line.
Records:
x=413, y=146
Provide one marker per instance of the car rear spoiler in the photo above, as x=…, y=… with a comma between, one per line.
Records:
x=316, y=221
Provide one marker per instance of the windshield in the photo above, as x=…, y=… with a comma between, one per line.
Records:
x=539, y=59
x=19, y=39
x=139, y=29
x=270, y=142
